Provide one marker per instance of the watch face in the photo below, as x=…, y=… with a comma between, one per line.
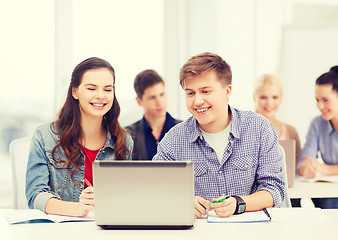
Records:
x=241, y=208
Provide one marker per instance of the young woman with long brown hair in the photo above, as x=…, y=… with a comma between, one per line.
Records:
x=59, y=169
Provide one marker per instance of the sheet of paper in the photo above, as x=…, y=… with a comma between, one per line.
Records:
x=258, y=216
x=297, y=215
x=37, y=216
x=320, y=178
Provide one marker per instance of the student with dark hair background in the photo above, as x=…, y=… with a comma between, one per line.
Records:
x=322, y=136
x=148, y=132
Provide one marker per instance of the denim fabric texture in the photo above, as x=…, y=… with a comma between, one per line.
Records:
x=47, y=178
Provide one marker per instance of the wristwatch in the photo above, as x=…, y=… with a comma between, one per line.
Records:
x=240, y=206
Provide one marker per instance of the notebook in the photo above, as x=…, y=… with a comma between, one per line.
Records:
x=247, y=217
x=143, y=194
x=19, y=216
x=290, y=158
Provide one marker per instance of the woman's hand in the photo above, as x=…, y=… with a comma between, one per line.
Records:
x=310, y=167
x=86, y=201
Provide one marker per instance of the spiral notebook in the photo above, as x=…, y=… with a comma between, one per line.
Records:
x=247, y=217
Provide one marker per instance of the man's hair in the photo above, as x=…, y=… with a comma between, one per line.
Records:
x=145, y=79
x=203, y=63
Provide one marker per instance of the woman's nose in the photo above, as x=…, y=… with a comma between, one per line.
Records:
x=99, y=94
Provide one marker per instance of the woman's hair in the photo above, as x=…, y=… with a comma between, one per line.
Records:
x=69, y=118
x=268, y=79
x=203, y=63
x=330, y=77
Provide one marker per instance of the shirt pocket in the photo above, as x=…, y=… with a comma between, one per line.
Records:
x=200, y=169
x=59, y=172
x=244, y=163
x=204, y=182
x=243, y=172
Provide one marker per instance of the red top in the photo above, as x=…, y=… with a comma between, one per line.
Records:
x=90, y=156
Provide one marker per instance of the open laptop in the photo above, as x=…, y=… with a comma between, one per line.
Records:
x=290, y=158
x=143, y=194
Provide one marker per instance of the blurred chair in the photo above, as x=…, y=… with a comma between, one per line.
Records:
x=19, y=152
x=287, y=201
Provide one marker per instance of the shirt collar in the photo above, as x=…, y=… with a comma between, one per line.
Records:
x=110, y=142
x=146, y=126
x=235, y=126
x=169, y=122
x=196, y=132
x=330, y=128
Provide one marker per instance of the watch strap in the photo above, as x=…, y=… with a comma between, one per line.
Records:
x=240, y=205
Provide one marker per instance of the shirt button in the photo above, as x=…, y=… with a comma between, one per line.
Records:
x=212, y=150
x=220, y=171
x=228, y=151
x=246, y=166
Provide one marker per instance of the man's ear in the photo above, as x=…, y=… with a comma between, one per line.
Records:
x=139, y=101
x=74, y=94
x=228, y=90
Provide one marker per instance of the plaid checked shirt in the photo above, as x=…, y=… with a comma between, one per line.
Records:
x=251, y=160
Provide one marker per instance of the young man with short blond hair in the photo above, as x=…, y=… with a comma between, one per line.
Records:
x=235, y=153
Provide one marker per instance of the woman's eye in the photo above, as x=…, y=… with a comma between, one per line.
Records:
x=108, y=90
x=91, y=89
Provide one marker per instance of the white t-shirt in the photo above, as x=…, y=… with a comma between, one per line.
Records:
x=218, y=141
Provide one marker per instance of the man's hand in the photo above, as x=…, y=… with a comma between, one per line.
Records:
x=225, y=208
x=201, y=206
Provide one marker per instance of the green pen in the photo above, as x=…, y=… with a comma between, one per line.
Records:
x=221, y=200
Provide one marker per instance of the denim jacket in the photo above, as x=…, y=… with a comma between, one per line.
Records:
x=47, y=178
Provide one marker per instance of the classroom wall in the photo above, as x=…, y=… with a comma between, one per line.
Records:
x=294, y=39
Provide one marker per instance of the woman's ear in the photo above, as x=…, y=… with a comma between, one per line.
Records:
x=74, y=94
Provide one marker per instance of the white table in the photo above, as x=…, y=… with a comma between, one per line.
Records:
x=201, y=230
x=302, y=189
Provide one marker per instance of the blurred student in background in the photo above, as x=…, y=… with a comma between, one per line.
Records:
x=59, y=169
x=268, y=97
x=322, y=136
x=149, y=131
